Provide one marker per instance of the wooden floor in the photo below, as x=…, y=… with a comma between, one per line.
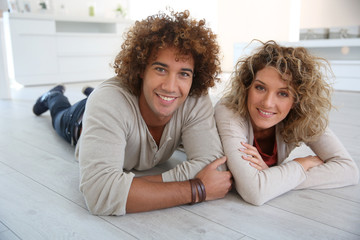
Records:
x=39, y=196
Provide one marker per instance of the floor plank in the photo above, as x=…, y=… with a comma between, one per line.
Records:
x=180, y=224
x=266, y=222
x=39, y=213
x=332, y=211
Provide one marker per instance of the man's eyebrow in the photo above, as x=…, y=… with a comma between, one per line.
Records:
x=166, y=66
x=187, y=70
x=159, y=63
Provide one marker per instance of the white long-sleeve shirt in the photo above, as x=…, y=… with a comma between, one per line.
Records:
x=258, y=187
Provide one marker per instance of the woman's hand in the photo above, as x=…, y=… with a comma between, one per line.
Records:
x=253, y=156
x=309, y=162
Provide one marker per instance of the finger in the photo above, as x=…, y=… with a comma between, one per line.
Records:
x=231, y=184
x=252, y=152
x=255, y=166
x=218, y=162
x=246, y=145
x=250, y=159
x=228, y=174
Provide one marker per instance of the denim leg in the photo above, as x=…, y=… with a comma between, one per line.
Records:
x=64, y=116
x=57, y=103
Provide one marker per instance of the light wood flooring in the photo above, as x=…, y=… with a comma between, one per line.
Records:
x=39, y=196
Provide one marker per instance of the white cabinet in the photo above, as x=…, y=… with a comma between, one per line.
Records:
x=48, y=49
x=342, y=54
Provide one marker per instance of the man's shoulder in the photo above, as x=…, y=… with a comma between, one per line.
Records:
x=198, y=101
x=112, y=90
x=112, y=95
x=113, y=84
x=196, y=107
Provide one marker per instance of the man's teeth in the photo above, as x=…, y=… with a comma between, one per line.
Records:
x=265, y=113
x=166, y=98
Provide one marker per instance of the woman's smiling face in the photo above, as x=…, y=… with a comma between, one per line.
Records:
x=269, y=99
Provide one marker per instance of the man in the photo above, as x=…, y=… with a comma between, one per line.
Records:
x=137, y=119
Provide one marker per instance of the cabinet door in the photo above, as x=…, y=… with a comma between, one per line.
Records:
x=87, y=53
x=34, y=49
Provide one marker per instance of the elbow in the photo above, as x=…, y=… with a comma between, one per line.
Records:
x=257, y=201
x=98, y=205
x=92, y=202
x=251, y=195
x=351, y=174
x=355, y=175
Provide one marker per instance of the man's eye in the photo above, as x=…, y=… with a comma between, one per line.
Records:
x=159, y=69
x=185, y=74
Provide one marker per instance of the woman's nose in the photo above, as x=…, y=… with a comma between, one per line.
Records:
x=268, y=100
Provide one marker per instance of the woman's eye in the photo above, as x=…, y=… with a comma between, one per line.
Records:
x=284, y=94
x=259, y=87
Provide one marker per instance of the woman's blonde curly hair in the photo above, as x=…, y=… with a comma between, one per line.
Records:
x=188, y=36
x=308, y=84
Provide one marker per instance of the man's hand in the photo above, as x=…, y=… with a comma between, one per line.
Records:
x=217, y=183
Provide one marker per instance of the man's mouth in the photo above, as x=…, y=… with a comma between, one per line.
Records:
x=165, y=98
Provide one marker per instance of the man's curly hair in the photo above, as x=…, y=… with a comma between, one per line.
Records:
x=308, y=84
x=188, y=36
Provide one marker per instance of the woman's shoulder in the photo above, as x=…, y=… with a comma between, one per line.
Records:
x=226, y=115
x=223, y=111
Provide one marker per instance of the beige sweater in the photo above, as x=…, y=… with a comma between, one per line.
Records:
x=115, y=138
x=258, y=187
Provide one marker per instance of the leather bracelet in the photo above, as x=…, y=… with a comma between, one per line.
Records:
x=197, y=186
x=199, y=190
x=193, y=192
x=202, y=186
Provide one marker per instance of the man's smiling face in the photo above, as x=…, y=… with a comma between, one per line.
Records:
x=166, y=84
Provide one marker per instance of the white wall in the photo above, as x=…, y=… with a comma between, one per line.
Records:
x=4, y=80
x=242, y=21
x=329, y=13
x=199, y=9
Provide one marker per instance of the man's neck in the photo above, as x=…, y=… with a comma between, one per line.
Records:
x=156, y=133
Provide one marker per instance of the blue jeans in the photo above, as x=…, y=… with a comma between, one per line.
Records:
x=66, y=118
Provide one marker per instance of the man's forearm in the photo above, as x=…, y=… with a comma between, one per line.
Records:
x=145, y=194
x=153, y=178
x=150, y=193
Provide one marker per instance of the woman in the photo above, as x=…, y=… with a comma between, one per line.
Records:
x=278, y=99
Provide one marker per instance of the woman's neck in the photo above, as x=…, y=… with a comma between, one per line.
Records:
x=265, y=134
x=266, y=140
